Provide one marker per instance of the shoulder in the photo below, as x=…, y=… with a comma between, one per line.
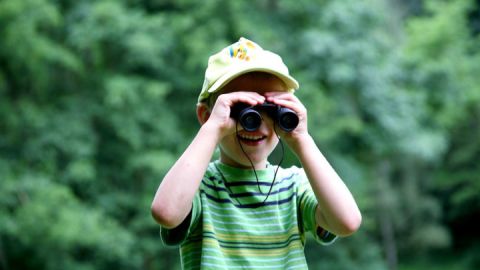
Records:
x=292, y=172
x=292, y=176
x=211, y=174
x=295, y=176
x=211, y=170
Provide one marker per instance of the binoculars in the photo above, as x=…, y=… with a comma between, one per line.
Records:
x=249, y=116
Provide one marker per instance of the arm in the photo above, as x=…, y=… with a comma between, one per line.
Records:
x=173, y=199
x=337, y=211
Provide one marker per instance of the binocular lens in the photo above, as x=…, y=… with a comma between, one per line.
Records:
x=288, y=120
x=250, y=120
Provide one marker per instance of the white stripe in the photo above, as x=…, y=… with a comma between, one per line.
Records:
x=260, y=260
x=266, y=233
x=255, y=212
x=266, y=260
x=218, y=222
x=253, y=266
x=255, y=227
x=216, y=254
x=290, y=216
x=289, y=213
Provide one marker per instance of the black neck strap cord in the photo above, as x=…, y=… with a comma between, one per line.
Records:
x=253, y=167
x=279, y=163
x=245, y=153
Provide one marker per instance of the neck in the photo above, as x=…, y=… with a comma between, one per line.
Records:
x=257, y=166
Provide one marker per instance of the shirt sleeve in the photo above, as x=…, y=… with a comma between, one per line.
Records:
x=307, y=205
x=176, y=236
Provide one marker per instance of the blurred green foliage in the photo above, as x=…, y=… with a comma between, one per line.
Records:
x=97, y=99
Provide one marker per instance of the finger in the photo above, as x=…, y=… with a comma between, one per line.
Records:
x=284, y=97
x=251, y=95
x=246, y=97
x=293, y=105
x=278, y=93
x=281, y=95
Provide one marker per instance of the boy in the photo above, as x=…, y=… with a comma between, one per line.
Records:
x=240, y=211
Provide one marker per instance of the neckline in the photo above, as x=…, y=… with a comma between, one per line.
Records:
x=235, y=174
x=246, y=181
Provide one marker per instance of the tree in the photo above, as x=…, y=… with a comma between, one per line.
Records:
x=97, y=99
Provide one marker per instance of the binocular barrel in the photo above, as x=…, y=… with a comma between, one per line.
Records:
x=250, y=119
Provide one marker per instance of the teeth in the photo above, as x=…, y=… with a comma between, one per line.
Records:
x=250, y=137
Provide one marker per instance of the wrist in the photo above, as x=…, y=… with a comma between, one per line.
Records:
x=300, y=143
x=211, y=131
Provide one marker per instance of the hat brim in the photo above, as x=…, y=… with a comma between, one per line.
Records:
x=289, y=81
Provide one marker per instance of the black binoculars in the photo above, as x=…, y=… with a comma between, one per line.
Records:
x=249, y=116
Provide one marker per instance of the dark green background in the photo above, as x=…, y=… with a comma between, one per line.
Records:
x=97, y=99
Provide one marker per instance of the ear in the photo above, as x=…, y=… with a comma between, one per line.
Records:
x=203, y=113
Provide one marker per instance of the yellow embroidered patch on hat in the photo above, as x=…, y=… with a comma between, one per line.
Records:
x=239, y=58
x=241, y=50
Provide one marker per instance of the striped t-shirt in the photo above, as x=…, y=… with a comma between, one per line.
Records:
x=231, y=227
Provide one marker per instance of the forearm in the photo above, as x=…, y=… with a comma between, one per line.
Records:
x=173, y=199
x=337, y=211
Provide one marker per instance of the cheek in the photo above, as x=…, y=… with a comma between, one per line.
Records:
x=274, y=141
x=229, y=141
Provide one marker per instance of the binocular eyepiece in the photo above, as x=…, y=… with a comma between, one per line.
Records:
x=249, y=116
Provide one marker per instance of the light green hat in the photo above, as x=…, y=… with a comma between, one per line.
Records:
x=239, y=58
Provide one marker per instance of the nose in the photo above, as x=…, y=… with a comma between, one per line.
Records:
x=267, y=121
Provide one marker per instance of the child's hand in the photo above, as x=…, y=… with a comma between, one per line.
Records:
x=220, y=115
x=289, y=100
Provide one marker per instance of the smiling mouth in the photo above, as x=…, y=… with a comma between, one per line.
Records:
x=251, y=138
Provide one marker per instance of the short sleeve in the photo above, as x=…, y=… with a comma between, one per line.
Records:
x=307, y=205
x=177, y=235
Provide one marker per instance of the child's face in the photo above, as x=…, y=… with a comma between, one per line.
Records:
x=265, y=138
